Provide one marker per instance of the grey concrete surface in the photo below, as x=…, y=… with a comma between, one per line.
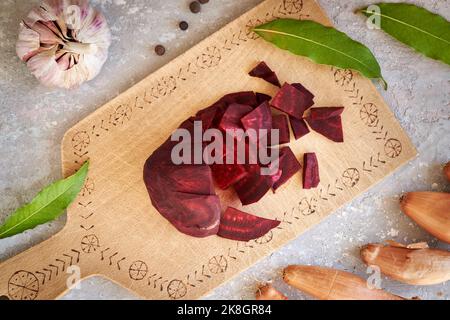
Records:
x=33, y=120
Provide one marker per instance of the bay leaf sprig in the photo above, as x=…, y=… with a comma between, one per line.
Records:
x=324, y=45
x=416, y=27
x=49, y=204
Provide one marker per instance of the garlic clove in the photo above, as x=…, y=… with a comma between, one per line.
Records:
x=28, y=43
x=267, y=292
x=447, y=170
x=330, y=284
x=46, y=36
x=45, y=68
x=430, y=210
x=409, y=265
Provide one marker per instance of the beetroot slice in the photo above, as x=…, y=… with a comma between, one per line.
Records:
x=288, y=165
x=194, y=179
x=192, y=213
x=261, y=97
x=291, y=101
x=243, y=97
x=263, y=71
x=327, y=122
x=323, y=113
x=254, y=186
x=299, y=127
x=259, y=118
x=280, y=123
x=226, y=175
x=308, y=95
x=231, y=119
x=242, y=226
x=311, y=176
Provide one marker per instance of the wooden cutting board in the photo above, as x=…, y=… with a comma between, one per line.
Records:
x=112, y=228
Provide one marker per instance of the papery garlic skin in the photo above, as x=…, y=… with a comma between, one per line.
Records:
x=64, y=42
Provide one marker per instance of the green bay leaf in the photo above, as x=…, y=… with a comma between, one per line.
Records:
x=49, y=204
x=416, y=27
x=324, y=45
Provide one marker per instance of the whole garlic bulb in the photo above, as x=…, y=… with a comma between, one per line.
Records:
x=64, y=42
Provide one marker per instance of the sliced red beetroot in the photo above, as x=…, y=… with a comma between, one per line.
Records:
x=226, y=175
x=261, y=97
x=259, y=118
x=291, y=101
x=231, y=119
x=280, y=123
x=190, y=212
x=207, y=116
x=242, y=226
x=288, y=165
x=299, y=127
x=183, y=194
x=263, y=71
x=308, y=95
x=311, y=176
x=254, y=186
x=244, y=97
x=323, y=113
x=327, y=122
x=194, y=179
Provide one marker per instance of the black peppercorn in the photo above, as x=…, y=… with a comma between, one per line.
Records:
x=203, y=1
x=160, y=50
x=195, y=7
x=184, y=25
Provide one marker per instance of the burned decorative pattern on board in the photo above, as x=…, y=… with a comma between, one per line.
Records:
x=138, y=270
x=23, y=285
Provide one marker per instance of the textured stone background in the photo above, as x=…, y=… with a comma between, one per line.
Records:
x=33, y=120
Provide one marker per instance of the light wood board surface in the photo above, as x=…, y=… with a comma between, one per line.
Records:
x=112, y=228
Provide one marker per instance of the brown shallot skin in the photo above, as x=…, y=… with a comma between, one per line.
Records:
x=421, y=266
x=268, y=292
x=447, y=171
x=332, y=284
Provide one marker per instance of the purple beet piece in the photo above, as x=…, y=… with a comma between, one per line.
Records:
x=288, y=165
x=299, y=127
x=231, y=119
x=261, y=97
x=322, y=113
x=311, y=176
x=243, y=97
x=254, y=186
x=259, y=118
x=263, y=71
x=194, y=179
x=291, y=101
x=183, y=194
x=226, y=175
x=327, y=121
x=207, y=116
x=241, y=226
x=190, y=212
x=280, y=123
x=308, y=95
